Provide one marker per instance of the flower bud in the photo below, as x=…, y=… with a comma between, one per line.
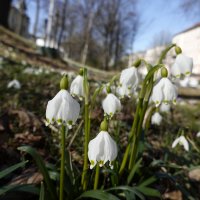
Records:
x=64, y=82
x=164, y=72
x=104, y=125
x=81, y=71
x=178, y=50
x=137, y=63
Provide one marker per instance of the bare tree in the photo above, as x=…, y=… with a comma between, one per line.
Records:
x=50, y=23
x=4, y=12
x=37, y=12
x=160, y=39
x=116, y=26
x=62, y=28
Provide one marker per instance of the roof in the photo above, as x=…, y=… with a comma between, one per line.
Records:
x=188, y=29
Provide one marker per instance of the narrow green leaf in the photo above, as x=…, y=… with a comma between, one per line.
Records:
x=98, y=194
x=132, y=190
x=134, y=169
x=42, y=191
x=11, y=169
x=148, y=181
x=69, y=167
x=148, y=191
x=42, y=168
x=25, y=188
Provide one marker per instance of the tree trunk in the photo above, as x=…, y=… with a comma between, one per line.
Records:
x=4, y=12
x=62, y=23
x=50, y=23
x=36, y=18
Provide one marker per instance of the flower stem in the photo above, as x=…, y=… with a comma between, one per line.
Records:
x=62, y=163
x=86, y=129
x=86, y=141
x=132, y=132
x=165, y=52
x=96, y=179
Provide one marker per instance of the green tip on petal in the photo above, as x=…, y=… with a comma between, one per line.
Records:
x=187, y=73
x=101, y=163
x=92, y=162
x=59, y=121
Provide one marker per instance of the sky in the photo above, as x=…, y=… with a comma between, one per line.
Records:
x=155, y=16
x=160, y=15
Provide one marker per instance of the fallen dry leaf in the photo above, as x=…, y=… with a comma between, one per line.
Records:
x=174, y=195
x=195, y=174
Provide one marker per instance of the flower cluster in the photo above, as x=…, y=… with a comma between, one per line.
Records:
x=64, y=109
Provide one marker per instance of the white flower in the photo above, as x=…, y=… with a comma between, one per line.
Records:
x=182, y=66
x=129, y=77
x=102, y=149
x=156, y=118
x=123, y=91
x=164, y=91
x=14, y=84
x=111, y=104
x=77, y=88
x=164, y=107
x=198, y=134
x=63, y=109
x=182, y=141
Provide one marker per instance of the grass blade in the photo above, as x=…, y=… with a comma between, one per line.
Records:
x=11, y=169
x=98, y=194
x=25, y=188
x=42, y=168
x=134, y=169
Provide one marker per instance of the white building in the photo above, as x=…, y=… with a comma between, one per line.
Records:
x=189, y=41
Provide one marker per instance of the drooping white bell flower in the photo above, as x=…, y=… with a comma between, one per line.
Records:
x=198, y=134
x=164, y=91
x=182, y=141
x=156, y=118
x=102, y=149
x=164, y=107
x=14, y=84
x=129, y=78
x=62, y=109
x=111, y=104
x=182, y=66
x=123, y=91
x=77, y=88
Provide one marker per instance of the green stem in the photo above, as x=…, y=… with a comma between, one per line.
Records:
x=164, y=53
x=62, y=163
x=96, y=179
x=137, y=135
x=86, y=141
x=133, y=129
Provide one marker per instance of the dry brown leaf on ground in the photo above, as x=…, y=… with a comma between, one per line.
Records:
x=23, y=116
x=27, y=138
x=174, y=195
x=194, y=174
